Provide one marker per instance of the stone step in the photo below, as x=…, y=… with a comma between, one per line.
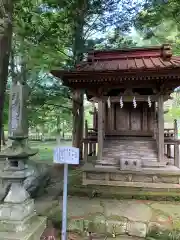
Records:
x=124, y=157
x=106, y=166
x=124, y=145
x=131, y=149
x=108, y=162
x=150, y=164
x=122, y=149
x=149, y=150
x=124, y=153
x=136, y=148
x=122, y=237
x=129, y=140
x=130, y=143
x=149, y=157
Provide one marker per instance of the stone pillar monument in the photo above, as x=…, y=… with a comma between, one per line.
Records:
x=18, y=219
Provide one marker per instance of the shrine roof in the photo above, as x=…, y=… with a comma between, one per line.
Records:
x=130, y=59
x=126, y=61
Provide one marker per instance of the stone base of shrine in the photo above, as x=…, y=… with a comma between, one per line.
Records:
x=33, y=232
x=155, y=181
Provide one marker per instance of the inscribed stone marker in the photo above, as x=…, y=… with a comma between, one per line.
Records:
x=18, y=109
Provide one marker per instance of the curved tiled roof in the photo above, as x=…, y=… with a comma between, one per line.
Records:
x=127, y=64
x=130, y=59
x=153, y=63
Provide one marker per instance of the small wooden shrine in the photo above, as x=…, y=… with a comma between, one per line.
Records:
x=130, y=87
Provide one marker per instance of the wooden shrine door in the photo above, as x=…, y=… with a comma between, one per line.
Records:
x=134, y=121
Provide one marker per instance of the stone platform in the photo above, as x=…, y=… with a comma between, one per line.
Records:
x=34, y=231
x=157, y=180
x=113, y=218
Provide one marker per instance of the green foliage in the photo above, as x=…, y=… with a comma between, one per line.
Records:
x=115, y=40
x=51, y=34
x=159, y=22
x=39, y=36
x=174, y=109
x=40, y=43
x=49, y=100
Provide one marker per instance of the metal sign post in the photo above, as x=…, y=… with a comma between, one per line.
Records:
x=64, y=213
x=65, y=155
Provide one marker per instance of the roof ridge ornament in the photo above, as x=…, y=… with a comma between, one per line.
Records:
x=166, y=53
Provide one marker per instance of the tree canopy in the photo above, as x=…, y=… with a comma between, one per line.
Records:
x=159, y=22
x=51, y=34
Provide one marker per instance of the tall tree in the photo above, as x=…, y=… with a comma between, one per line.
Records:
x=84, y=19
x=6, y=8
x=51, y=33
x=159, y=22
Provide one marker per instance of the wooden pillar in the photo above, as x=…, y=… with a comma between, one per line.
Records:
x=100, y=129
x=160, y=128
x=95, y=118
x=154, y=122
x=144, y=117
x=108, y=122
x=175, y=129
x=168, y=150
x=113, y=116
x=78, y=119
x=86, y=143
x=176, y=154
x=176, y=145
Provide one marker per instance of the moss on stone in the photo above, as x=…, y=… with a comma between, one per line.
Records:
x=55, y=216
x=164, y=235
x=121, y=193
x=176, y=224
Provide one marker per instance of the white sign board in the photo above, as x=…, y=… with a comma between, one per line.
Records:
x=66, y=155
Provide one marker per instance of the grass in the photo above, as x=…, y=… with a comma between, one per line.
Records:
x=45, y=150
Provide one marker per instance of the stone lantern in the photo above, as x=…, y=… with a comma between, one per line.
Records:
x=18, y=219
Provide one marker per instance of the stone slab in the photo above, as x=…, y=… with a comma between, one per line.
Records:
x=16, y=212
x=79, y=206
x=168, y=170
x=130, y=209
x=117, y=238
x=33, y=233
x=17, y=226
x=116, y=217
x=122, y=237
x=168, y=208
x=43, y=207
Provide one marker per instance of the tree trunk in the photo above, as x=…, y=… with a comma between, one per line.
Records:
x=5, y=47
x=3, y=137
x=42, y=133
x=58, y=128
x=63, y=135
x=78, y=96
x=78, y=120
